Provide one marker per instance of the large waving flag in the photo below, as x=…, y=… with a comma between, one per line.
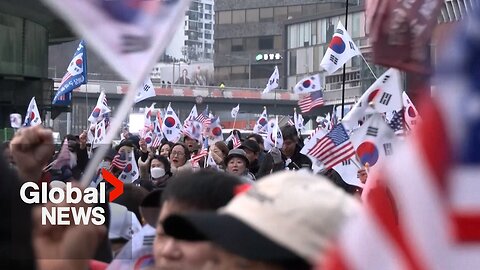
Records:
x=145, y=91
x=262, y=122
x=384, y=95
x=273, y=81
x=192, y=116
x=76, y=75
x=157, y=129
x=171, y=127
x=341, y=49
x=33, y=115
x=411, y=116
x=309, y=84
x=130, y=173
x=194, y=130
x=101, y=108
x=274, y=135
x=214, y=131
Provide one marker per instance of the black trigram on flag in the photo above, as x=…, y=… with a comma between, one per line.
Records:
x=352, y=46
x=388, y=149
x=169, y=131
x=346, y=162
x=146, y=87
x=385, y=99
x=334, y=59
x=386, y=78
x=148, y=240
x=372, y=131
x=133, y=43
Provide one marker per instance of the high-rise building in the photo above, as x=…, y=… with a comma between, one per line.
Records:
x=193, y=40
x=249, y=37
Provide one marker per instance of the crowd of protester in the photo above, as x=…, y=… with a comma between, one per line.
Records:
x=238, y=214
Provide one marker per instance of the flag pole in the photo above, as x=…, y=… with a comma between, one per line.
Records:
x=344, y=65
x=373, y=73
x=86, y=101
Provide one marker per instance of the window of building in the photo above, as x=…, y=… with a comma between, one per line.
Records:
x=265, y=43
x=224, y=17
x=292, y=62
x=266, y=14
x=208, y=26
x=239, y=72
x=224, y=45
x=262, y=71
x=208, y=36
x=280, y=13
x=208, y=16
x=237, y=45
x=252, y=15
x=251, y=44
x=208, y=7
x=208, y=45
x=238, y=16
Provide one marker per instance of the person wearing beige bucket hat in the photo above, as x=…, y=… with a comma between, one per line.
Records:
x=284, y=221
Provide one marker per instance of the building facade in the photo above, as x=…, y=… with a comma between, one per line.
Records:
x=193, y=41
x=249, y=40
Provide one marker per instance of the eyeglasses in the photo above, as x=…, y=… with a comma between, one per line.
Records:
x=179, y=154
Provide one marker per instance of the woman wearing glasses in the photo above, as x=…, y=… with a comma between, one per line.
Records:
x=179, y=156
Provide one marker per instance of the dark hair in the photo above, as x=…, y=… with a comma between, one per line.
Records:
x=257, y=138
x=71, y=137
x=289, y=133
x=164, y=161
x=202, y=190
x=223, y=147
x=131, y=198
x=187, y=152
x=164, y=143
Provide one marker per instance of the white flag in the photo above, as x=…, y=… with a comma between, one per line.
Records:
x=147, y=117
x=130, y=173
x=373, y=141
x=128, y=35
x=348, y=171
x=194, y=130
x=412, y=118
x=171, y=125
x=15, y=120
x=310, y=84
x=214, y=131
x=145, y=91
x=274, y=136
x=262, y=122
x=235, y=110
x=157, y=126
x=33, y=115
x=340, y=50
x=99, y=133
x=384, y=95
x=273, y=81
x=101, y=108
x=211, y=162
x=299, y=123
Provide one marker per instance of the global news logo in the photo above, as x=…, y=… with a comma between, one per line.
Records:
x=89, y=199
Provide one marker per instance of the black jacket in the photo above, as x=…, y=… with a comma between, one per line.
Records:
x=298, y=160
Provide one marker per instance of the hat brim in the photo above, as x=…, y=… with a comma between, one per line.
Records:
x=229, y=233
x=244, y=158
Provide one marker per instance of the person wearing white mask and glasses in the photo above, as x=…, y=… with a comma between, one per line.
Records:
x=159, y=173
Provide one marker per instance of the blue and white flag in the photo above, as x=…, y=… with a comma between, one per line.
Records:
x=76, y=75
x=33, y=115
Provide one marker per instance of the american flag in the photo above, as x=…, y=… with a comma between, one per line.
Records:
x=397, y=122
x=430, y=216
x=236, y=141
x=310, y=101
x=119, y=161
x=203, y=117
x=157, y=142
x=333, y=148
x=202, y=154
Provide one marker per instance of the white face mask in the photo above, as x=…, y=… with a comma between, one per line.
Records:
x=157, y=172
